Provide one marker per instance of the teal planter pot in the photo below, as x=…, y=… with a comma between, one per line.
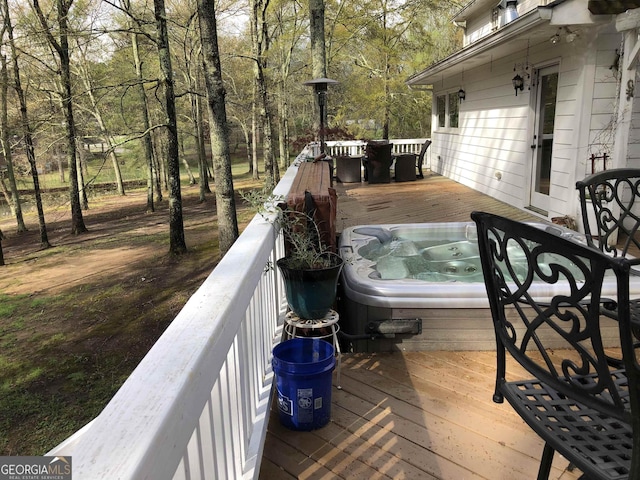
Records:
x=311, y=293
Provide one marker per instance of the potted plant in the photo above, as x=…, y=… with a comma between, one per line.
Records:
x=310, y=269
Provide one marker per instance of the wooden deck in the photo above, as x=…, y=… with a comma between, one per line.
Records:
x=418, y=415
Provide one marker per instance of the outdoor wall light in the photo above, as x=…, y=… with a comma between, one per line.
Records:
x=518, y=83
x=461, y=95
x=569, y=36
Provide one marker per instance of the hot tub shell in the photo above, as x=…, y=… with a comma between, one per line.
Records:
x=449, y=315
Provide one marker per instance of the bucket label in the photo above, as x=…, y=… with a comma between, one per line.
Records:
x=305, y=405
x=285, y=404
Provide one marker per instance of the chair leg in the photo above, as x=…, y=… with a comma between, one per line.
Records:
x=545, y=462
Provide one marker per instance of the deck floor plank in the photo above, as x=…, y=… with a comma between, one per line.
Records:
x=412, y=415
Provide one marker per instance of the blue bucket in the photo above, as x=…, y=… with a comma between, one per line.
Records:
x=303, y=368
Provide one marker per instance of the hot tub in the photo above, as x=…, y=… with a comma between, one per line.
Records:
x=420, y=287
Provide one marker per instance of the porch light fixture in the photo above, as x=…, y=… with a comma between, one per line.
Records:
x=518, y=83
x=569, y=36
x=461, y=95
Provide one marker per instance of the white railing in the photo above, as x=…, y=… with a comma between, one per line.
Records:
x=356, y=148
x=198, y=404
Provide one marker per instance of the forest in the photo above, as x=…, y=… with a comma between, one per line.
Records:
x=122, y=94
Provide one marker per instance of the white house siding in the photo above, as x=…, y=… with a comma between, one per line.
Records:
x=605, y=93
x=634, y=136
x=525, y=6
x=492, y=134
x=482, y=25
x=496, y=127
x=478, y=28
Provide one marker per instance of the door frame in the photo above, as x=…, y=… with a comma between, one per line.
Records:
x=538, y=202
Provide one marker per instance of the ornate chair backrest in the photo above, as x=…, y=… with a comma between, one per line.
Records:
x=610, y=204
x=545, y=290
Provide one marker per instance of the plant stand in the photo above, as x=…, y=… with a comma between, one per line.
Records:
x=316, y=329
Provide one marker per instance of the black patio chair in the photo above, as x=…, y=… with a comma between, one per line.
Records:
x=612, y=199
x=610, y=205
x=420, y=158
x=544, y=293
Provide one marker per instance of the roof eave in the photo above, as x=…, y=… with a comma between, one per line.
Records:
x=526, y=22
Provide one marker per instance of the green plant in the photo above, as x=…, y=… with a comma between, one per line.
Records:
x=304, y=247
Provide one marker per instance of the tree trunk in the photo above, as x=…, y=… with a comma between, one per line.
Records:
x=225, y=199
x=203, y=164
x=259, y=43
x=82, y=166
x=97, y=114
x=254, y=134
x=146, y=139
x=26, y=129
x=158, y=164
x=200, y=147
x=177, y=243
x=192, y=179
x=249, y=146
x=284, y=128
x=62, y=50
x=12, y=196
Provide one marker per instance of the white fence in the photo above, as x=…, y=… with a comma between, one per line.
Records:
x=198, y=404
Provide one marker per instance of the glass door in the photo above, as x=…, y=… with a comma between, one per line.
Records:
x=542, y=145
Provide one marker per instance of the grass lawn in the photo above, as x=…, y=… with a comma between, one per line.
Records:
x=76, y=319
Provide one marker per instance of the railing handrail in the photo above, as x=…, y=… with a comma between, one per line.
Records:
x=153, y=425
x=198, y=403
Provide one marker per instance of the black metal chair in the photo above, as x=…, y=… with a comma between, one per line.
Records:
x=544, y=292
x=612, y=199
x=420, y=158
x=610, y=204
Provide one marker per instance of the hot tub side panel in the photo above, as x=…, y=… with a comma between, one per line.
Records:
x=440, y=328
x=450, y=329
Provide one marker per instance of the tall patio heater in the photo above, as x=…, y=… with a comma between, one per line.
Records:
x=320, y=88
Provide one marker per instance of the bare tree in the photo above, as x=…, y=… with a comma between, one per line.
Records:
x=260, y=44
x=177, y=243
x=11, y=193
x=61, y=47
x=287, y=33
x=85, y=76
x=26, y=127
x=225, y=199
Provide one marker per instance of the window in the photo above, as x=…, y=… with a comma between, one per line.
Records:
x=442, y=110
x=495, y=18
x=448, y=110
x=453, y=110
